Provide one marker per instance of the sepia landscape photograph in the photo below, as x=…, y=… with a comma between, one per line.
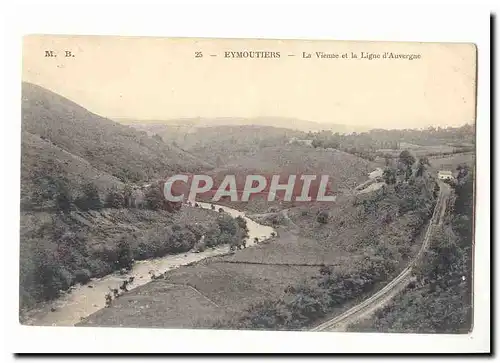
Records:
x=242, y=184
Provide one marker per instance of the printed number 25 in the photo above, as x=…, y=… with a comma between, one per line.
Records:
x=198, y=54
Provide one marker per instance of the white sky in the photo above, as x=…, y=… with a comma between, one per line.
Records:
x=158, y=78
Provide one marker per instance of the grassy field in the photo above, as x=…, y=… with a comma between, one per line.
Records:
x=202, y=294
x=157, y=305
x=434, y=151
x=451, y=162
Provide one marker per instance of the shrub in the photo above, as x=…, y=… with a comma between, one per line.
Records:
x=389, y=176
x=90, y=198
x=227, y=239
x=114, y=198
x=82, y=276
x=228, y=224
x=200, y=245
x=124, y=253
x=45, y=279
x=275, y=219
x=63, y=197
x=406, y=158
x=182, y=240
x=98, y=268
x=212, y=236
x=108, y=256
x=242, y=224
x=143, y=251
x=197, y=229
x=154, y=198
x=127, y=195
x=322, y=217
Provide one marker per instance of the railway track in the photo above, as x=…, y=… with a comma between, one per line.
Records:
x=380, y=298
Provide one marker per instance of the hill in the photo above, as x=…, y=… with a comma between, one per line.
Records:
x=108, y=146
x=222, y=145
x=44, y=165
x=345, y=170
x=75, y=210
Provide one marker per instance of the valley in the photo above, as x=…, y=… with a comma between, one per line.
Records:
x=93, y=216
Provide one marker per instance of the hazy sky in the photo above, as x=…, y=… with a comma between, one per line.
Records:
x=155, y=78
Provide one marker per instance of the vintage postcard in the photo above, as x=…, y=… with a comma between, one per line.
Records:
x=247, y=184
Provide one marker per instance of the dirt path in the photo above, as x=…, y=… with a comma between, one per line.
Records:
x=383, y=296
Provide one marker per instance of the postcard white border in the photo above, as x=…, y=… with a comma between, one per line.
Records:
x=393, y=22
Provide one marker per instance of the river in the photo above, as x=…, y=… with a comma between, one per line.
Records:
x=83, y=300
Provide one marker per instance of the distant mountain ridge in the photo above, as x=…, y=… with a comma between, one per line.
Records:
x=280, y=122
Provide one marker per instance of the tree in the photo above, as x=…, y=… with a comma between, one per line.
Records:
x=114, y=198
x=237, y=241
x=406, y=158
x=242, y=224
x=124, y=253
x=435, y=191
x=425, y=160
x=317, y=143
x=154, y=198
x=63, y=197
x=90, y=198
x=389, y=176
x=387, y=159
x=408, y=173
x=127, y=194
x=421, y=166
x=463, y=171
x=228, y=224
x=182, y=239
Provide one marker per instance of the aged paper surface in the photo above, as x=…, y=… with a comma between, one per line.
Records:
x=247, y=184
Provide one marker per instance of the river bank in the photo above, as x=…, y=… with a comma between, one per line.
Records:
x=86, y=299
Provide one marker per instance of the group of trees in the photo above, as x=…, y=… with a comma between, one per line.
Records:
x=405, y=168
x=48, y=267
x=228, y=230
x=59, y=255
x=54, y=192
x=367, y=144
x=391, y=139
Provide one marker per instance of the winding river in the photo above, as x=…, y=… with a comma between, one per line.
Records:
x=84, y=300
